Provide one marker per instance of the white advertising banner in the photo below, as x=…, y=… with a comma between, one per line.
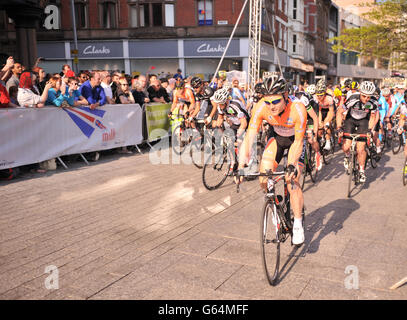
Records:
x=30, y=135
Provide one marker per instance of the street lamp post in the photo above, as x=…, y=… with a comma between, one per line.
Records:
x=75, y=38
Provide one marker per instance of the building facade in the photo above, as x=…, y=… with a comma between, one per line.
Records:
x=160, y=36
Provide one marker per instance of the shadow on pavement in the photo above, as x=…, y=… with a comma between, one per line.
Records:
x=316, y=230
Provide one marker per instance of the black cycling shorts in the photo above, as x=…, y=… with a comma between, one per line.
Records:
x=352, y=125
x=284, y=143
x=324, y=112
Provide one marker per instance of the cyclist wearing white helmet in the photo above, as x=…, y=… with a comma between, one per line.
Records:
x=310, y=89
x=326, y=111
x=360, y=119
x=231, y=110
x=288, y=119
x=308, y=99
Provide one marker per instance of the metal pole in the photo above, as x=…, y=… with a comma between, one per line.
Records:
x=75, y=37
x=230, y=39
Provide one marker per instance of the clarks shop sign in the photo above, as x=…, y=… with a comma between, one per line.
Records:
x=107, y=49
x=211, y=48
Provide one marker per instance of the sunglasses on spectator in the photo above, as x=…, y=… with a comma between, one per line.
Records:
x=274, y=101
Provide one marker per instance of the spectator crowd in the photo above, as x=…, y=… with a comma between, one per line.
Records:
x=22, y=88
x=35, y=89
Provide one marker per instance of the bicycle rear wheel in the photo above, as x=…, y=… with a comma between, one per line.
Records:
x=396, y=143
x=270, y=244
x=216, y=168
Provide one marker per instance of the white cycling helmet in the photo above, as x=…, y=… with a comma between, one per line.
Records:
x=311, y=89
x=385, y=91
x=221, y=95
x=367, y=87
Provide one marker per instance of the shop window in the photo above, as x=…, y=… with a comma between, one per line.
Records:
x=205, y=10
x=81, y=14
x=107, y=13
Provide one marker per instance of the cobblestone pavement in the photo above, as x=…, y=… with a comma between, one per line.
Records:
x=123, y=228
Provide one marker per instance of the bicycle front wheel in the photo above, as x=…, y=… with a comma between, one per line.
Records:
x=372, y=152
x=351, y=174
x=178, y=142
x=270, y=244
x=327, y=155
x=216, y=168
x=312, y=164
x=396, y=142
x=197, y=151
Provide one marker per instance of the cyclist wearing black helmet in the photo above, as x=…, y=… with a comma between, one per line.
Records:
x=204, y=109
x=289, y=119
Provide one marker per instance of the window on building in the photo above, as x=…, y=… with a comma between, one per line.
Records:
x=152, y=14
x=294, y=43
x=280, y=5
x=107, y=13
x=81, y=14
x=205, y=12
x=169, y=15
x=280, y=36
x=349, y=57
x=295, y=9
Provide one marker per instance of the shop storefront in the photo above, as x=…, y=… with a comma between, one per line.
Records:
x=152, y=56
x=202, y=56
x=161, y=57
x=54, y=55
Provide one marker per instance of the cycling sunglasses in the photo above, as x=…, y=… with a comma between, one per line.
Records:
x=275, y=101
x=365, y=95
x=321, y=94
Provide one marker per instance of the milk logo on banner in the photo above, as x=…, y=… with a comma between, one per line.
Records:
x=87, y=120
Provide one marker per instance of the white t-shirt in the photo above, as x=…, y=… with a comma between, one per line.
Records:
x=107, y=89
x=27, y=97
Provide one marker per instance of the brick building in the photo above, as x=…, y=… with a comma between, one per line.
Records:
x=163, y=35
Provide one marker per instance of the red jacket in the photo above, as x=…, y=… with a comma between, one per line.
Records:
x=4, y=97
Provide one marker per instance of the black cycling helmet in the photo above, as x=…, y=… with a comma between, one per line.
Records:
x=259, y=88
x=207, y=92
x=274, y=84
x=196, y=82
x=347, y=83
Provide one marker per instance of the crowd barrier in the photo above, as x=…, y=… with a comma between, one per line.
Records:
x=32, y=135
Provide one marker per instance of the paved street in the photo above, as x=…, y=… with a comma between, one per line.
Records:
x=123, y=228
